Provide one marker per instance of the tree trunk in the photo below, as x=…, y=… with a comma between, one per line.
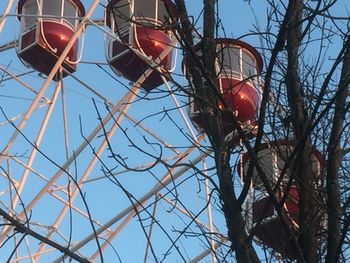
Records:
x=334, y=159
x=231, y=207
x=203, y=75
x=303, y=174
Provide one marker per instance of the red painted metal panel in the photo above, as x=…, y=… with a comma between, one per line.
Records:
x=262, y=209
x=39, y=55
x=272, y=234
x=242, y=97
x=152, y=42
x=57, y=35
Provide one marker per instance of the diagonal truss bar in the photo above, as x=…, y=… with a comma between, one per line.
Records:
x=185, y=120
x=154, y=135
x=30, y=257
x=166, y=179
x=149, y=235
x=92, y=163
x=208, y=251
x=183, y=211
x=209, y=210
x=24, y=84
x=5, y=14
x=37, y=144
x=113, y=235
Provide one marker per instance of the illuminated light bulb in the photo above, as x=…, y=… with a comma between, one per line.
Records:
x=63, y=38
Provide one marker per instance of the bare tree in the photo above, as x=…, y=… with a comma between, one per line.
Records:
x=295, y=84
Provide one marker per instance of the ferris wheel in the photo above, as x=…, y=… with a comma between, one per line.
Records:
x=102, y=155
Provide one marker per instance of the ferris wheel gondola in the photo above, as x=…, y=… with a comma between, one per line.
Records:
x=141, y=39
x=275, y=160
x=238, y=69
x=46, y=28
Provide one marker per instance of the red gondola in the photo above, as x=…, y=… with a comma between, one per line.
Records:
x=259, y=210
x=238, y=67
x=46, y=28
x=138, y=38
